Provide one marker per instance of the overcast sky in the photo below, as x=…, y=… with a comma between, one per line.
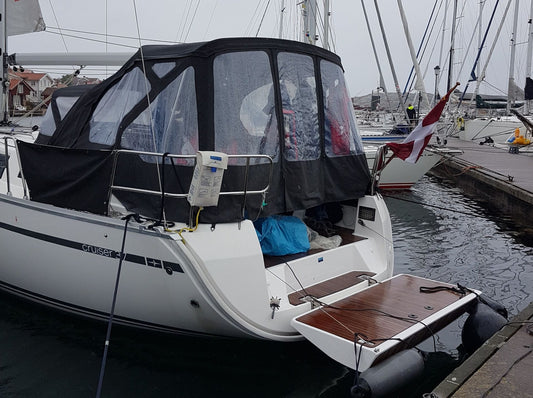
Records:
x=200, y=20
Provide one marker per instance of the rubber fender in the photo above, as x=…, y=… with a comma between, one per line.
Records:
x=480, y=325
x=390, y=375
x=499, y=308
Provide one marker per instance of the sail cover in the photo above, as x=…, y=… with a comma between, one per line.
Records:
x=240, y=96
x=528, y=90
x=24, y=16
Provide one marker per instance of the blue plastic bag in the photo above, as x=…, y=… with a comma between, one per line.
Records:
x=281, y=235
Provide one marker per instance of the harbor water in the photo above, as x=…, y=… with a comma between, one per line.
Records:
x=439, y=234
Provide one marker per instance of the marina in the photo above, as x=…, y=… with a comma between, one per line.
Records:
x=501, y=179
x=214, y=200
x=450, y=237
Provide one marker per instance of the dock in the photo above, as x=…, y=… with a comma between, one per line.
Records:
x=503, y=180
x=501, y=367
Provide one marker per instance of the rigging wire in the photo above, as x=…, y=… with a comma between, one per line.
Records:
x=210, y=20
x=262, y=19
x=183, y=23
x=192, y=21
x=57, y=22
x=93, y=40
x=147, y=88
x=107, y=35
x=60, y=32
x=256, y=14
x=422, y=41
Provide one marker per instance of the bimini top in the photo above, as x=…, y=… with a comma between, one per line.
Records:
x=248, y=96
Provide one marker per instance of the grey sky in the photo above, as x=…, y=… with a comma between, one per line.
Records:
x=195, y=20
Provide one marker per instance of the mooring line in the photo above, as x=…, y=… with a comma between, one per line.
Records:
x=112, y=312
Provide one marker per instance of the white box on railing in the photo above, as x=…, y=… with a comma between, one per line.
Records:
x=207, y=178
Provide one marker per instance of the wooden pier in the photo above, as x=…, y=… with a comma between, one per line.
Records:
x=502, y=366
x=501, y=179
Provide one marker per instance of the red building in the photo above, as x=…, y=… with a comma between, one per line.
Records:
x=19, y=92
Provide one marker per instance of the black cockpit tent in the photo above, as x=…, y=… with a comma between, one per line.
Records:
x=249, y=96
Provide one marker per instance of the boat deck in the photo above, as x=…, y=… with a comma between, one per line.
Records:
x=330, y=286
x=389, y=309
x=345, y=233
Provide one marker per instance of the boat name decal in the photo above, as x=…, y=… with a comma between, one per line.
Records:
x=100, y=251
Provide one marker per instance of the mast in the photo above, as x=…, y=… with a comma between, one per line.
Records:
x=452, y=47
x=442, y=40
x=419, y=81
x=381, y=80
x=327, y=13
x=527, y=93
x=280, y=35
x=529, y=42
x=310, y=21
x=480, y=31
x=511, y=85
x=481, y=77
x=443, y=32
x=404, y=110
x=473, y=71
x=4, y=64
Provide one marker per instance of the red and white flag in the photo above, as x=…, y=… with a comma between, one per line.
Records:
x=412, y=147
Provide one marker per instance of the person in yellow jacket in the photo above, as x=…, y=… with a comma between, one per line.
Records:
x=411, y=113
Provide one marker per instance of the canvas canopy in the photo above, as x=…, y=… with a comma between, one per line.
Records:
x=249, y=96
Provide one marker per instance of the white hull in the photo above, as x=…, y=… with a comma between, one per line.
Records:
x=499, y=129
x=205, y=275
x=218, y=285
x=398, y=174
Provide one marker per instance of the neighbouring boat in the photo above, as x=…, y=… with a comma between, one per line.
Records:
x=400, y=175
x=170, y=184
x=499, y=129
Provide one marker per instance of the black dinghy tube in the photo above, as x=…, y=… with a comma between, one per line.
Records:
x=483, y=321
x=390, y=375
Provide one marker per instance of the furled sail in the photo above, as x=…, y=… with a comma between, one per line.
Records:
x=528, y=90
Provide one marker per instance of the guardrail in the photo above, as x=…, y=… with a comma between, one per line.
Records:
x=245, y=161
x=161, y=192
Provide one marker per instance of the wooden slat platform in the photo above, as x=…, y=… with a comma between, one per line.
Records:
x=330, y=286
x=365, y=312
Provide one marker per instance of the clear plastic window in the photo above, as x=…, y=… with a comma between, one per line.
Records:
x=341, y=136
x=48, y=125
x=300, y=110
x=173, y=118
x=245, y=118
x=161, y=69
x=115, y=104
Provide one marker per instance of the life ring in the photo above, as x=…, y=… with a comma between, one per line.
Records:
x=460, y=123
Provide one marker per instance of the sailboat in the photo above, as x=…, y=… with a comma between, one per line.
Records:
x=185, y=186
x=179, y=194
x=500, y=128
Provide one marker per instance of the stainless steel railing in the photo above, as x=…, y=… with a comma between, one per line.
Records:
x=244, y=192
x=245, y=161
